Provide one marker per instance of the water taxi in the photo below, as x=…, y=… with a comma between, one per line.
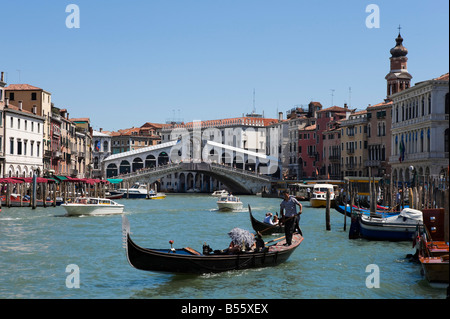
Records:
x=319, y=195
x=92, y=206
x=135, y=191
x=229, y=202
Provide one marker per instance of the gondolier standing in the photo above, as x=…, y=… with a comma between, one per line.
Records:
x=288, y=211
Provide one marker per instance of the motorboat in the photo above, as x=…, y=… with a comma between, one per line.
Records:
x=399, y=227
x=136, y=191
x=154, y=195
x=92, y=206
x=319, y=195
x=220, y=193
x=229, y=202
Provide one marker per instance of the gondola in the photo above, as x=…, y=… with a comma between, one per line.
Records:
x=264, y=228
x=189, y=261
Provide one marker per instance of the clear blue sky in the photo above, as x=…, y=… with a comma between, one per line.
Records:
x=132, y=62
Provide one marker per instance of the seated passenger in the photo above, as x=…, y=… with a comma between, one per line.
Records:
x=268, y=219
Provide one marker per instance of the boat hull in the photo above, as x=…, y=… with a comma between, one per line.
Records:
x=77, y=210
x=379, y=230
x=227, y=206
x=188, y=261
x=435, y=269
x=317, y=203
x=264, y=228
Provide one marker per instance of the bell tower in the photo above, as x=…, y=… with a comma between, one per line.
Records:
x=398, y=79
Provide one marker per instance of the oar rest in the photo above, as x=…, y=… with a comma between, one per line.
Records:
x=191, y=251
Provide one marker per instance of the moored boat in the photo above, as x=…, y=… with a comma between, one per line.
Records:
x=229, y=202
x=188, y=260
x=319, y=195
x=137, y=191
x=396, y=228
x=264, y=228
x=92, y=206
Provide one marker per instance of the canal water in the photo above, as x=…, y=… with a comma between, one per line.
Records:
x=39, y=250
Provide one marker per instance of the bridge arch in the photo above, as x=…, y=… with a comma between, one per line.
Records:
x=150, y=161
x=137, y=164
x=124, y=167
x=111, y=170
x=163, y=158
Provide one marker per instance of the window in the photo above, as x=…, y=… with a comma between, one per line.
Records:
x=33, y=96
x=38, y=148
x=11, y=146
x=19, y=147
x=32, y=148
x=12, y=122
x=11, y=96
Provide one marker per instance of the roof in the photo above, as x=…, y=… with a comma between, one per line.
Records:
x=443, y=77
x=23, y=87
x=81, y=119
x=380, y=104
x=335, y=109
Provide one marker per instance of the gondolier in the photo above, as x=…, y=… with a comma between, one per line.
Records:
x=289, y=216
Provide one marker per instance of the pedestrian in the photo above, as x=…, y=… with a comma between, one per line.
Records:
x=289, y=216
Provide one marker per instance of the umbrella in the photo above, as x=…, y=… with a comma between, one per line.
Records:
x=240, y=236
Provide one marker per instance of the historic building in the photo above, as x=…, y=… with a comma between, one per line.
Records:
x=36, y=101
x=23, y=140
x=2, y=104
x=101, y=149
x=354, y=144
x=379, y=138
x=420, y=129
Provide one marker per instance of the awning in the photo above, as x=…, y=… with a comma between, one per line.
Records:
x=61, y=178
x=115, y=180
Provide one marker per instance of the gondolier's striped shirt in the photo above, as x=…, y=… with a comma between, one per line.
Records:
x=289, y=206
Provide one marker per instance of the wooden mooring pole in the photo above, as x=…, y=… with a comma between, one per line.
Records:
x=327, y=211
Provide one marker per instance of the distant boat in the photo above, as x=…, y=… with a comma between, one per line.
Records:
x=264, y=228
x=116, y=195
x=134, y=192
x=154, y=195
x=15, y=201
x=319, y=195
x=92, y=206
x=220, y=193
x=229, y=202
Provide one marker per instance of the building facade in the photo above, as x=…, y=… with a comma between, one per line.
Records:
x=420, y=129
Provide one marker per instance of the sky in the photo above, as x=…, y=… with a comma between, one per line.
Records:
x=132, y=62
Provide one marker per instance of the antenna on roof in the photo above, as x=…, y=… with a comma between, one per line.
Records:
x=349, y=96
x=332, y=95
x=254, y=108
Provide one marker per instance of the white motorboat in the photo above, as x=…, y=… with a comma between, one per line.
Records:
x=135, y=191
x=92, y=206
x=221, y=193
x=229, y=202
x=319, y=195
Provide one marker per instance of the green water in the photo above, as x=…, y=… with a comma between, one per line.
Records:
x=36, y=246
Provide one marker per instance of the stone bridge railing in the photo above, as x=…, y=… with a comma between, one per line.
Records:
x=239, y=180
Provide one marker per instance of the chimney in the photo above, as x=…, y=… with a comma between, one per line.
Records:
x=345, y=105
x=101, y=129
x=1, y=77
x=280, y=116
x=6, y=101
x=20, y=105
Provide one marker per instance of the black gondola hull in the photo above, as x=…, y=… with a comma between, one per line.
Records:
x=264, y=228
x=190, y=262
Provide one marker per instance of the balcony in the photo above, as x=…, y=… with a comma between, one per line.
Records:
x=57, y=154
x=73, y=172
x=81, y=155
x=47, y=154
x=373, y=163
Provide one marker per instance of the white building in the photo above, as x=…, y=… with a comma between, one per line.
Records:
x=420, y=130
x=101, y=149
x=23, y=141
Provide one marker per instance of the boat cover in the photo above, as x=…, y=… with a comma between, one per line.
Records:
x=411, y=214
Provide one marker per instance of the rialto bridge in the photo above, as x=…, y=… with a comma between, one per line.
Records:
x=239, y=170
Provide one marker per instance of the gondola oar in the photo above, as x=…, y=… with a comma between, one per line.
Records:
x=270, y=241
